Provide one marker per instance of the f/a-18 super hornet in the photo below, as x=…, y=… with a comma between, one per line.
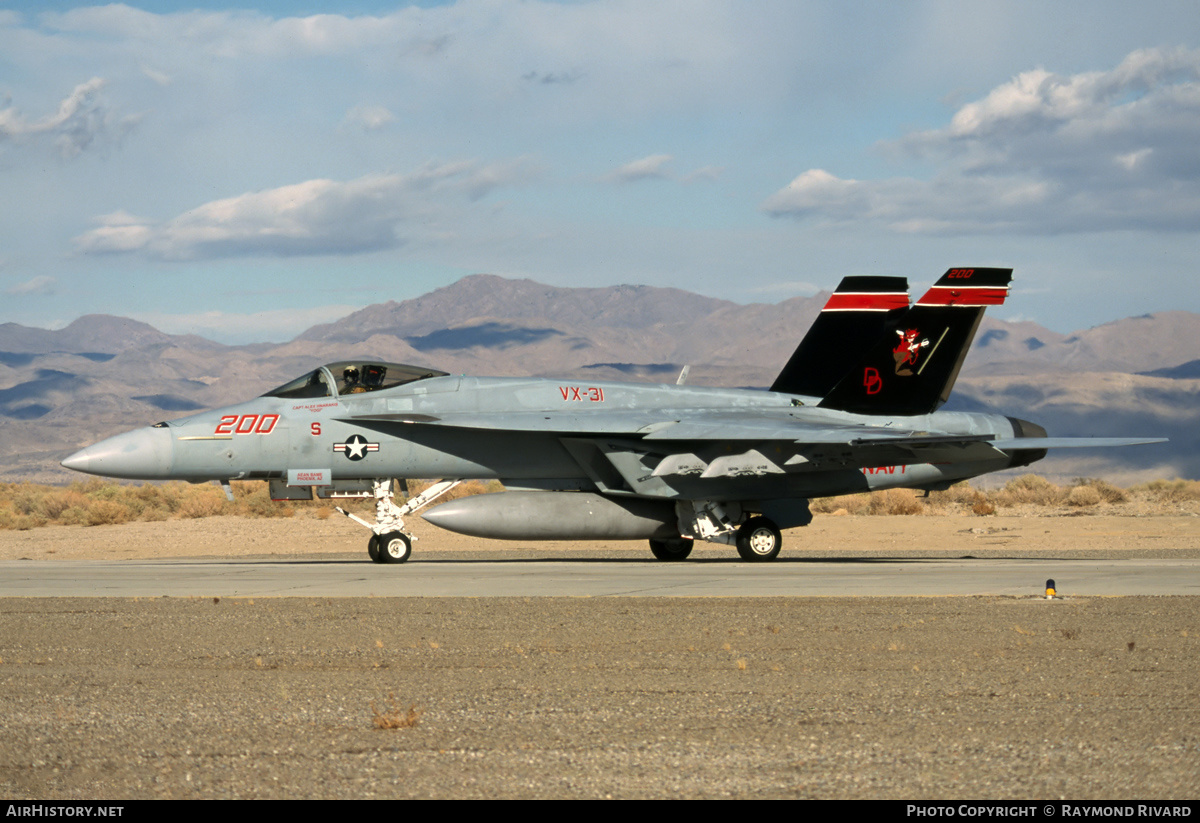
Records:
x=854, y=409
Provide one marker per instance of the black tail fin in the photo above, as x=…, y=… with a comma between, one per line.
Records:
x=853, y=320
x=912, y=369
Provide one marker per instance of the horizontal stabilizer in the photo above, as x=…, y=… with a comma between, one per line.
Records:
x=1010, y=443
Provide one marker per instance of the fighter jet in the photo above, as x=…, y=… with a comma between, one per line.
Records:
x=854, y=409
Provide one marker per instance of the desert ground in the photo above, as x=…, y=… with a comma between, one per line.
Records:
x=1112, y=531
x=825, y=697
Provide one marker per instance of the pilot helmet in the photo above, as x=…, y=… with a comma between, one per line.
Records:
x=373, y=375
x=350, y=375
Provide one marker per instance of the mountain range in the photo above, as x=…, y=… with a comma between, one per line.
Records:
x=100, y=375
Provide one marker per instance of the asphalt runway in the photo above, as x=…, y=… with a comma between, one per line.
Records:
x=597, y=577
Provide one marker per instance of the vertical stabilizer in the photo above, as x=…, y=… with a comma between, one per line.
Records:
x=912, y=369
x=852, y=321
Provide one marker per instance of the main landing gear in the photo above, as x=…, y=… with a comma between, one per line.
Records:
x=675, y=548
x=389, y=543
x=757, y=538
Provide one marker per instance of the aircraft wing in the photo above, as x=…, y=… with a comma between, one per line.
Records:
x=617, y=421
x=677, y=424
x=1009, y=443
x=703, y=425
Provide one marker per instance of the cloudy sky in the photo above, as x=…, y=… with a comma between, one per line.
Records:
x=246, y=172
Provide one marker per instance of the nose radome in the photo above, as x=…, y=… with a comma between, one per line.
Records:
x=78, y=462
x=142, y=454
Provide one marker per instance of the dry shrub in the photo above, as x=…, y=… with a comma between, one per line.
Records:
x=10, y=519
x=27, y=499
x=960, y=493
x=1169, y=491
x=884, y=502
x=57, y=501
x=106, y=513
x=1029, y=489
x=823, y=505
x=154, y=497
x=395, y=717
x=951, y=499
x=90, y=486
x=254, y=500
x=1081, y=496
x=92, y=502
x=95, y=502
x=1107, y=492
x=154, y=513
x=847, y=503
x=895, y=501
x=74, y=516
x=981, y=507
x=171, y=495
x=195, y=507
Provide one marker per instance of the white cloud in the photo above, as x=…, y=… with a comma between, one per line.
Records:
x=818, y=191
x=369, y=118
x=42, y=284
x=81, y=118
x=160, y=78
x=315, y=217
x=563, y=61
x=654, y=167
x=1043, y=153
x=646, y=168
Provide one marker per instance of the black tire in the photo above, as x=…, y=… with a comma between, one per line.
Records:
x=759, y=540
x=373, y=549
x=674, y=548
x=394, y=547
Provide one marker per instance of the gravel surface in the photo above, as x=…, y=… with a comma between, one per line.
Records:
x=625, y=698
x=956, y=697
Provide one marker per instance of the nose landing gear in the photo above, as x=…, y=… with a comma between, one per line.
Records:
x=389, y=543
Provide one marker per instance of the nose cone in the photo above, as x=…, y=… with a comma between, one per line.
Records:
x=143, y=454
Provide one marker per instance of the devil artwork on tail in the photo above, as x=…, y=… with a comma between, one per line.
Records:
x=906, y=351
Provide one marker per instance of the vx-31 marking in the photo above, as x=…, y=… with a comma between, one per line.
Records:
x=593, y=393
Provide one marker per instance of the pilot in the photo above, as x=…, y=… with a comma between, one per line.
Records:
x=350, y=384
x=373, y=377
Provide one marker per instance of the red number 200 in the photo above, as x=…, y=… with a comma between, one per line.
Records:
x=247, y=424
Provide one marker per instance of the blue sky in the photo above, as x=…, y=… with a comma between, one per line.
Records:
x=244, y=173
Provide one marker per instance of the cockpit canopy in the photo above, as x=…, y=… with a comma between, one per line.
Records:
x=352, y=377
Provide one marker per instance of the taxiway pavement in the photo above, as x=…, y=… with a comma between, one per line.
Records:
x=603, y=577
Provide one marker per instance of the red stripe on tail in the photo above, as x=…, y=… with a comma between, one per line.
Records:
x=865, y=301
x=963, y=296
